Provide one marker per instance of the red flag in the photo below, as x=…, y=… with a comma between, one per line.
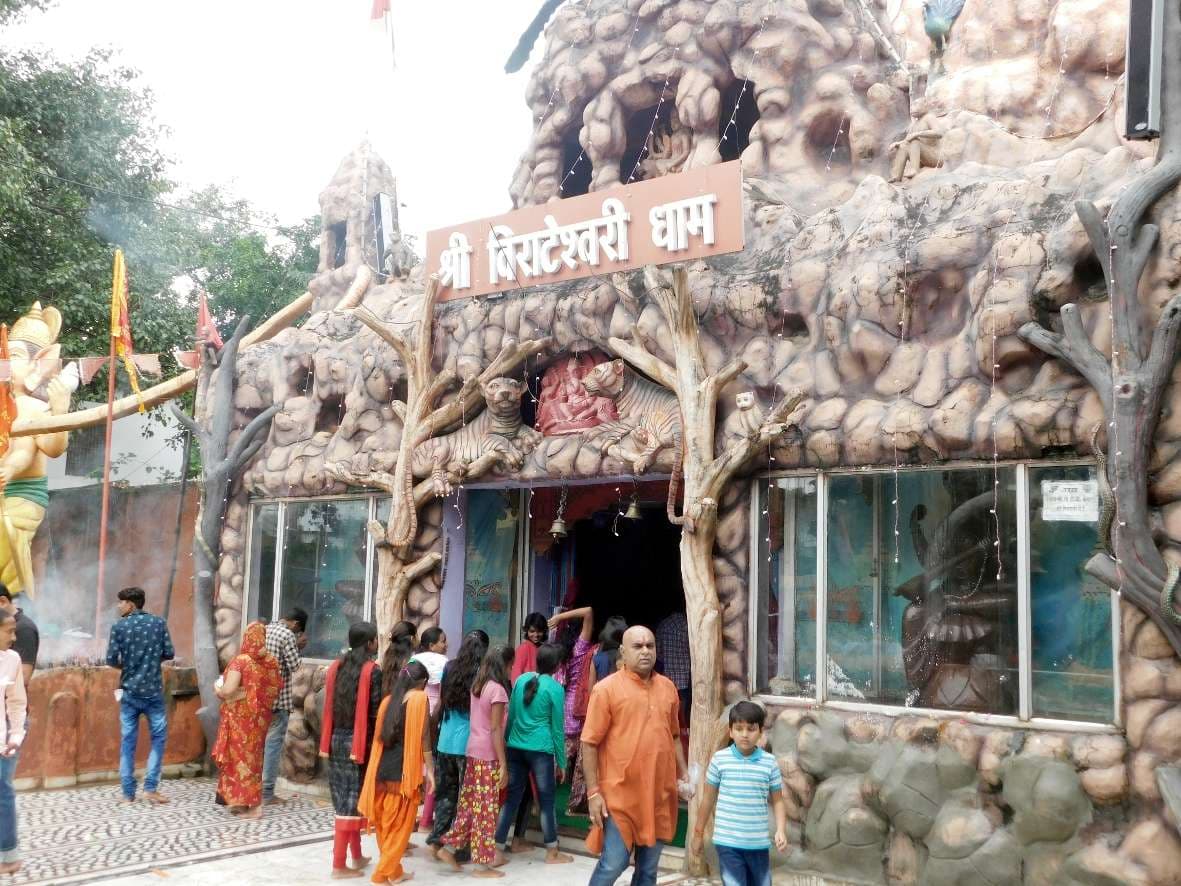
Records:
x=206, y=329
x=382, y=11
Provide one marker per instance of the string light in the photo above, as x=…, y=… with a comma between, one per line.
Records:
x=645, y=149
x=746, y=84
x=835, y=143
x=582, y=151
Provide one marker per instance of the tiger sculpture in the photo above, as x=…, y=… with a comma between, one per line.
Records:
x=497, y=429
x=649, y=415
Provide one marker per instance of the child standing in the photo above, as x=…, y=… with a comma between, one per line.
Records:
x=536, y=747
x=740, y=780
x=401, y=754
x=485, y=770
x=453, y=723
x=352, y=693
x=580, y=679
x=432, y=654
x=534, y=632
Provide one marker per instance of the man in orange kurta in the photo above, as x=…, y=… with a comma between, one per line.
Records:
x=632, y=760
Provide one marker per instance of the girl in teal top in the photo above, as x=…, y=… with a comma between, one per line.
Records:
x=453, y=717
x=536, y=746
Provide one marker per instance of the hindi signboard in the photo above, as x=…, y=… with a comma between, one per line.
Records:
x=1071, y=500
x=687, y=215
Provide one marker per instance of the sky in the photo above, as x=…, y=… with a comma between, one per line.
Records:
x=267, y=96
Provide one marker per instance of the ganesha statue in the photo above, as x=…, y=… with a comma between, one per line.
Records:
x=39, y=388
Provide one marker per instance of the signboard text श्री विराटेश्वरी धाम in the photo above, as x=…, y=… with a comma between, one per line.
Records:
x=679, y=217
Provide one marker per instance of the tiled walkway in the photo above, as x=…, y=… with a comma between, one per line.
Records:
x=83, y=835
x=80, y=834
x=309, y=864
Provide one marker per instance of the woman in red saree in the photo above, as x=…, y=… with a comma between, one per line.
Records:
x=248, y=689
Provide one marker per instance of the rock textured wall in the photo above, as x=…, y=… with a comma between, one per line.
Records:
x=906, y=800
x=893, y=305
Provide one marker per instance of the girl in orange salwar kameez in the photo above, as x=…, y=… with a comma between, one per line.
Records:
x=248, y=690
x=395, y=774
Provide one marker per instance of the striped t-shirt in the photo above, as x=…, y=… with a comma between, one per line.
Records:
x=744, y=787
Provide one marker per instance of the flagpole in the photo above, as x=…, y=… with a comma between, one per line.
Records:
x=106, y=505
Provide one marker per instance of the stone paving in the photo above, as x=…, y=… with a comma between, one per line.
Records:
x=82, y=834
x=309, y=864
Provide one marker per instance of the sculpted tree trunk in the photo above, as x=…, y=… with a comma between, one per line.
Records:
x=1131, y=385
x=705, y=479
x=423, y=417
x=220, y=464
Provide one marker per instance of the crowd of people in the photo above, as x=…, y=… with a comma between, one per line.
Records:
x=461, y=748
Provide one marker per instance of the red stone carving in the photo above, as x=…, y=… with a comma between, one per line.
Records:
x=564, y=406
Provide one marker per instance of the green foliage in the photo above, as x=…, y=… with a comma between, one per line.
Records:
x=81, y=173
x=10, y=10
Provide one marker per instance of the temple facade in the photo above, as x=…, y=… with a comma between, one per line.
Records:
x=906, y=570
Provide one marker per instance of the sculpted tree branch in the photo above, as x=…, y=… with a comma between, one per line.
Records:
x=221, y=462
x=705, y=478
x=424, y=416
x=1132, y=384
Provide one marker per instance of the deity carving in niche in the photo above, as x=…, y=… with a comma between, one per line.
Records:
x=39, y=388
x=957, y=634
x=564, y=405
x=668, y=149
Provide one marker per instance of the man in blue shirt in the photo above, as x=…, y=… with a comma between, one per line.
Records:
x=139, y=642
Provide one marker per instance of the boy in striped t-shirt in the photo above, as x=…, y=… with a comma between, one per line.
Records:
x=740, y=780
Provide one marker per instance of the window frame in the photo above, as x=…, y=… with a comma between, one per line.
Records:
x=1024, y=718
x=280, y=549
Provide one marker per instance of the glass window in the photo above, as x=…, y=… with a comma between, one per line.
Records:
x=922, y=600
x=490, y=553
x=1070, y=623
x=786, y=610
x=324, y=552
x=264, y=535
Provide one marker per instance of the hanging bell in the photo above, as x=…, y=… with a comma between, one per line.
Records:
x=633, y=511
x=558, y=528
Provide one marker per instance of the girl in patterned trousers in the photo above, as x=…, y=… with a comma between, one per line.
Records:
x=485, y=771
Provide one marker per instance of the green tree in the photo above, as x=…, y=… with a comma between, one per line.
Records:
x=247, y=263
x=81, y=173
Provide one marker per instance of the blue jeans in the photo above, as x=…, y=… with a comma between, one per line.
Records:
x=744, y=867
x=520, y=765
x=8, y=844
x=272, y=753
x=614, y=860
x=130, y=709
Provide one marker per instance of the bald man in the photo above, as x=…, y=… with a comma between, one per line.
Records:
x=629, y=745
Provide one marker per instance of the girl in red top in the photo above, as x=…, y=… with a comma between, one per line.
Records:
x=535, y=631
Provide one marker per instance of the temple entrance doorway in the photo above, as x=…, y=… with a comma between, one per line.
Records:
x=620, y=560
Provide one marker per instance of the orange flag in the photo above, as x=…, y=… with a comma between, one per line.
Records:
x=7, y=400
x=121, y=322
